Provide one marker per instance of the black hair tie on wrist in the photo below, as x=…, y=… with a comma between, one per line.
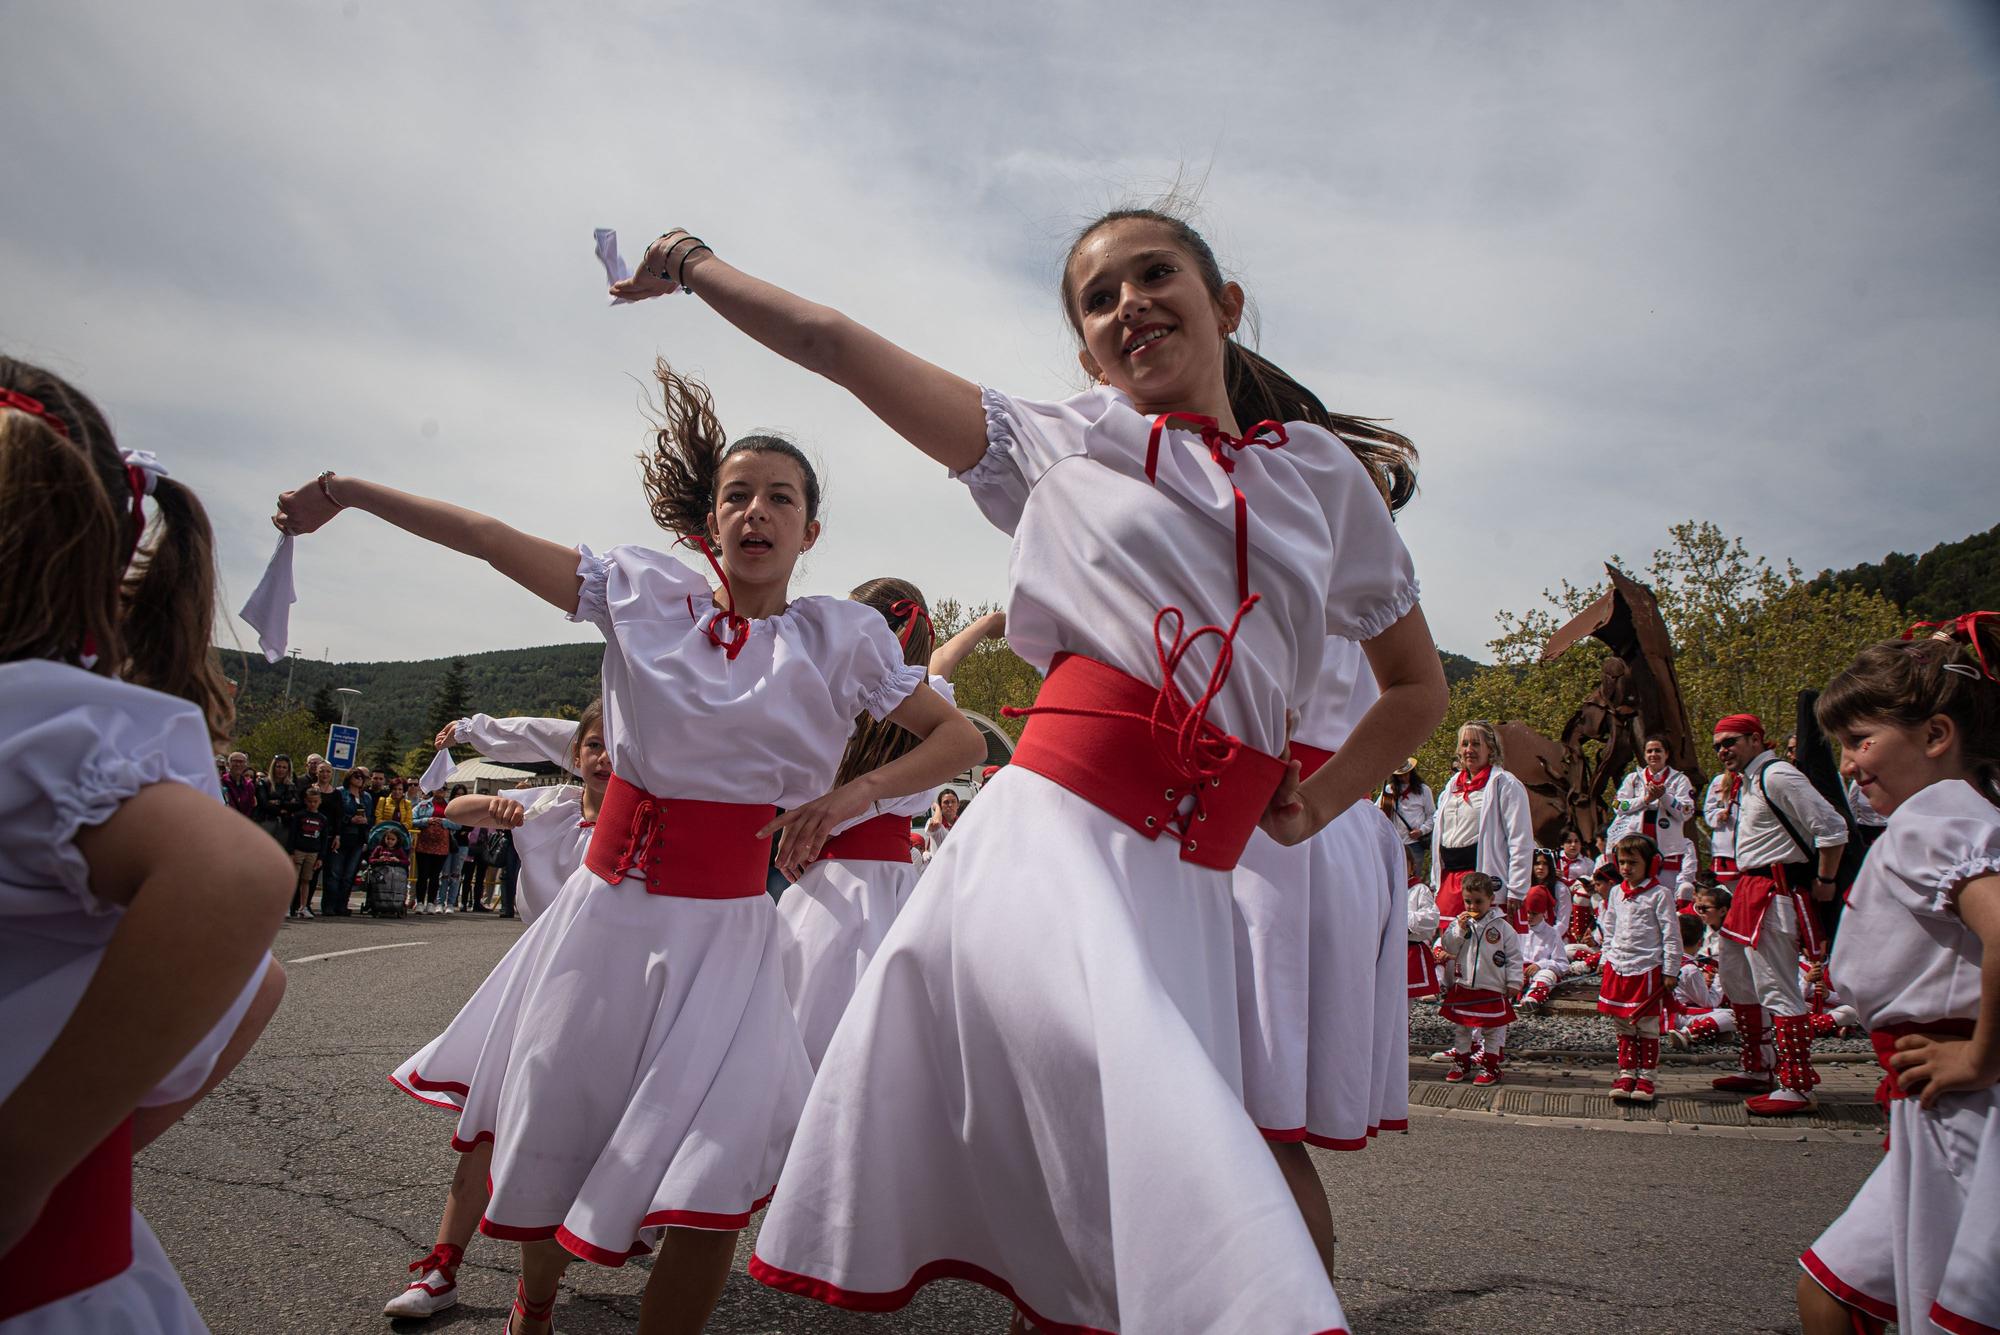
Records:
x=693, y=251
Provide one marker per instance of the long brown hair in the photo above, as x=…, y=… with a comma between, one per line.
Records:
x=876, y=742
x=688, y=449
x=1259, y=388
x=1908, y=682
x=593, y=718
x=79, y=575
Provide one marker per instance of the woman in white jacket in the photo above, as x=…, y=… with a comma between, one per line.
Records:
x=1482, y=824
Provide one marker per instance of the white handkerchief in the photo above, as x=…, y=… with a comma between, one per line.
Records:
x=440, y=771
x=269, y=610
x=615, y=268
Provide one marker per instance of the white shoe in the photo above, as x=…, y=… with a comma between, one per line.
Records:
x=432, y=1293
x=305, y=913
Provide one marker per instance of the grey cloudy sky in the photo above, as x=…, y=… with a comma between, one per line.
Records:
x=1611, y=265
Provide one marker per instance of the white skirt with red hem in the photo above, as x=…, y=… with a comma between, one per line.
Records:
x=1321, y=981
x=1037, y=1087
x=634, y=1061
x=1920, y=1242
x=835, y=917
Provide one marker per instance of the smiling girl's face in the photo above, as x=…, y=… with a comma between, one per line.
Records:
x=1149, y=323
x=1893, y=763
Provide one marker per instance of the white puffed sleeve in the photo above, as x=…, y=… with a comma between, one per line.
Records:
x=1374, y=582
x=73, y=748
x=518, y=739
x=859, y=657
x=1024, y=439
x=631, y=584
x=1934, y=845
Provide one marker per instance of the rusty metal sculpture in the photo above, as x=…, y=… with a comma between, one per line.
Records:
x=1637, y=695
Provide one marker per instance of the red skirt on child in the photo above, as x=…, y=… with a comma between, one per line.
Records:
x=1423, y=971
x=1632, y=996
x=1451, y=894
x=1476, y=1007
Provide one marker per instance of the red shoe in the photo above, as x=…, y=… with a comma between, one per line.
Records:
x=1779, y=1102
x=1742, y=1082
x=1489, y=1071
x=1461, y=1068
x=1642, y=1091
x=1622, y=1087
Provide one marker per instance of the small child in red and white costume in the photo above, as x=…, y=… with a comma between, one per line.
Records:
x=1573, y=868
x=1544, y=958
x=1695, y=1010
x=1918, y=954
x=1486, y=978
x=1423, y=927
x=1642, y=953
x=1718, y=809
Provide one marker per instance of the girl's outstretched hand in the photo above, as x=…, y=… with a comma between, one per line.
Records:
x=649, y=275
x=304, y=509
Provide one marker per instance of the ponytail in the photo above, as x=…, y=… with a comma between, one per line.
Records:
x=1258, y=388
x=688, y=449
x=170, y=607
x=876, y=742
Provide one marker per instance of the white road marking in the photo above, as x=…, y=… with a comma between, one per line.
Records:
x=358, y=950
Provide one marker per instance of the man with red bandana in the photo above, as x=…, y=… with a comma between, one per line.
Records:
x=1783, y=826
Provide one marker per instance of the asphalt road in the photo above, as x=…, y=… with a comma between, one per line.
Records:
x=293, y=1198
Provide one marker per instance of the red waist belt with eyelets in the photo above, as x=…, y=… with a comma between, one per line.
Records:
x=1883, y=1040
x=1310, y=759
x=877, y=839
x=683, y=847
x=83, y=1236
x=1106, y=753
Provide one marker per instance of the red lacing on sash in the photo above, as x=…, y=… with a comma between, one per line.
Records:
x=1180, y=730
x=739, y=627
x=639, y=835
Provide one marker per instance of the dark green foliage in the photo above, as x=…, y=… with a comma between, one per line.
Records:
x=388, y=751
x=451, y=703
x=1457, y=667
x=323, y=708
x=1950, y=578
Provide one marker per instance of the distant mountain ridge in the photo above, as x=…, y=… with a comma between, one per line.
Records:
x=1950, y=578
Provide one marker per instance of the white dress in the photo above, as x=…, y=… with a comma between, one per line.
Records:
x=639, y=1066
x=1920, y=1243
x=73, y=747
x=835, y=917
x=1038, y=1084
x=1321, y=954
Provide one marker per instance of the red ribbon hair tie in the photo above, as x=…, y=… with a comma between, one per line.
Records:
x=909, y=611
x=33, y=407
x=1964, y=626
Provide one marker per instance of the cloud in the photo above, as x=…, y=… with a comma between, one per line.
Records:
x=1611, y=268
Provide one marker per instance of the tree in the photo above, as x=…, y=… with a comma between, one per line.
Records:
x=323, y=707
x=388, y=751
x=992, y=677
x=1748, y=636
x=451, y=702
x=295, y=733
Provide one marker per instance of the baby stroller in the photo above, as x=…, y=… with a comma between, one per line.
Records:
x=384, y=885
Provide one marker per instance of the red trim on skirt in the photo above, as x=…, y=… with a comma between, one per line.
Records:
x=1843, y=1291
x=584, y=1249
x=930, y=1272
x=1476, y=1007
x=1632, y=996
x=1945, y=1319
x=83, y=1235
x=1423, y=971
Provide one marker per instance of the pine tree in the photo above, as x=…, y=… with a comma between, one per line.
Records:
x=323, y=707
x=451, y=703
x=388, y=752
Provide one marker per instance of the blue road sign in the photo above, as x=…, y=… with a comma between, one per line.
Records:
x=343, y=745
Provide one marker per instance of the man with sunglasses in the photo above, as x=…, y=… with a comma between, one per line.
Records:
x=1783, y=827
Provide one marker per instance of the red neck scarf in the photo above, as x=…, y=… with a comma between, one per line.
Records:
x=1469, y=782
x=1660, y=778
x=1630, y=889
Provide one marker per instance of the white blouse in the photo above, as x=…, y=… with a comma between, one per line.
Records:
x=1458, y=816
x=73, y=747
x=1345, y=691
x=686, y=720
x=1099, y=550
x=1903, y=953
x=909, y=804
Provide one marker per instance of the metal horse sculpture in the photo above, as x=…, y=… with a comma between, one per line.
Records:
x=1637, y=695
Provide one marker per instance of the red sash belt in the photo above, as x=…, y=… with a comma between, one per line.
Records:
x=1310, y=759
x=681, y=846
x=1756, y=887
x=877, y=839
x=1106, y=753
x=84, y=1234
x=1883, y=1040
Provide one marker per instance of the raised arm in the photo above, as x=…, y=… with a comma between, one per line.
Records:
x=507, y=739
x=544, y=568
x=947, y=656
x=934, y=410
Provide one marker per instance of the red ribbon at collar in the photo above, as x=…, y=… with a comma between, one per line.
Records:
x=739, y=627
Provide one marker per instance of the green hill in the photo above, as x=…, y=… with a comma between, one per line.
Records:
x=1950, y=578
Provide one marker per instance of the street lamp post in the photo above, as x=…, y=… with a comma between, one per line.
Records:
x=347, y=695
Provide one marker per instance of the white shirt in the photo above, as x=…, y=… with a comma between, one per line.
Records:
x=1458, y=816
x=1542, y=946
x=1415, y=811
x=1642, y=930
x=1719, y=810
x=1423, y=913
x=1760, y=839
x=1693, y=991
x=1098, y=550
x=1903, y=953
x=1502, y=830
x=1861, y=808
x=553, y=838
x=683, y=719
x=1670, y=813
x=1488, y=957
